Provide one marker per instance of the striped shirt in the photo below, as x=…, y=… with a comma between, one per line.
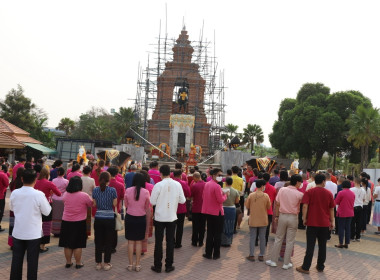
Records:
x=104, y=202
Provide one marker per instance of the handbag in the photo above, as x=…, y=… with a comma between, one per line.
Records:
x=118, y=222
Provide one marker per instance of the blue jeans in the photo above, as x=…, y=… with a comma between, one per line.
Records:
x=344, y=229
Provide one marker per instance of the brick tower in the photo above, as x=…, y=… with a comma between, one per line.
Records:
x=169, y=124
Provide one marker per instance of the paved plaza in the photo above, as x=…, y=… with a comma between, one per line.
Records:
x=360, y=261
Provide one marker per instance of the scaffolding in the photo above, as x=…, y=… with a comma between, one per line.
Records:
x=204, y=56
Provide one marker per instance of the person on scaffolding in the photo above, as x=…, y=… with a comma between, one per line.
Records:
x=182, y=98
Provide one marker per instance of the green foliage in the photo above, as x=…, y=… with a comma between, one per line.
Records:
x=67, y=125
x=231, y=129
x=252, y=133
x=315, y=122
x=20, y=111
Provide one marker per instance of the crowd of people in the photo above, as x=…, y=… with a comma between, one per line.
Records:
x=66, y=202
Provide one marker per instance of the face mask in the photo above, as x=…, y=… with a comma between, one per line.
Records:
x=219, y=179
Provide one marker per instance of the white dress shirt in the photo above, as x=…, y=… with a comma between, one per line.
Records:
x=332, y=187
x=166, y=195
x=359, y=196
x=27, y=205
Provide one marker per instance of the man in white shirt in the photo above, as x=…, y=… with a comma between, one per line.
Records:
x=358, y=209
x=165, y=196
x=27, y=205
x=331, y=186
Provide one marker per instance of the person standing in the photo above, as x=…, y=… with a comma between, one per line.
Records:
x=28, y=206
x=258, y=204
x=376, y=208
x=181, y=210
x=165, y=196
x=153, y=172
x=137, y=202
x=61, y=183
x=318, y=216
x=229, y=213
x=21, y=163
x=288, y=202
x=271, y=192
x=345, y=202
x=73, y=237
x=212, y=207
x=105, y=199
x=88, y=187
x=366, y=186
x=4, y=182
x=128, y=179
x=198, y=219
x=358, y=209
x=48, y=188
x=238, y=184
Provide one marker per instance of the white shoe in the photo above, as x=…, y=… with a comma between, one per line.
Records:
x=270, y=263
x=287, y=266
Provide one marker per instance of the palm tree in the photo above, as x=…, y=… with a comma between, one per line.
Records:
x=67, y=125
x=252, y=133
x=231, y=129
x=123, y=121
x=364, y=129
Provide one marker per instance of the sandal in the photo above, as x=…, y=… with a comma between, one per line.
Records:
x=68, y=265
x=98, y=266
x=107, y=266
x=130, y=267
x=78, y=266
x=138, y=268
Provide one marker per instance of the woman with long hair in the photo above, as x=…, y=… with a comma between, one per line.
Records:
x=73, y=235
x=105, y=198
x=15, y=184
x=48, y=188
x=97, y=171
x=137, y=203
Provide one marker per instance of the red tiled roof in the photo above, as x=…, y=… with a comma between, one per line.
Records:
x=9, y=142
x=26, y=139
x=8, y=128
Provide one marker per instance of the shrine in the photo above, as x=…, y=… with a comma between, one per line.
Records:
x=179, y=117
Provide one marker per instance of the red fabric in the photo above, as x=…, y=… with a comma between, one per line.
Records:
x=120, y=191
x=186, y=191
x=47, y=188
x=320, y=201
x=333, y=179
x=14, y=170
x=4, y=182
x=189, y=179
x=120, y=179
x=248, y=174
x=95, y=176
x=197, y=193
x=271, y=191
x=304, y=186
x=345, y=199
x=213, y=198
x=183, y=176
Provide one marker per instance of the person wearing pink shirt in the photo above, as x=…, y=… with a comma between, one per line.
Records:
x=20, y=163
x=75, y=171
x=178, y=166
x=212, y=207
x=137, y=203
x=288, y=202
x=198, y=219
x=57, y=207
x=271, y=191
x=4, y=182
x=181, y=210
x=48, y=188
x=345, y=201
x=73, y=235
x=153, y=172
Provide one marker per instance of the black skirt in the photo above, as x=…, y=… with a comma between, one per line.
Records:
x=73, y=235
x=135, y=227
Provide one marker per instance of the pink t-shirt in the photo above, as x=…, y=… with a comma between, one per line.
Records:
x=73, y=174
x=136, y=207
x=149, y=187
x=155, y=175
x=76, y=205
x=345, y=201
x=213, y=199
x=186, y=191
x=289, y=199
x=61, y=184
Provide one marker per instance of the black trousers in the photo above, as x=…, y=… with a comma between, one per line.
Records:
x=300, y=221
x=369, y=211
x=365, y=213
x=241, y=202
x=268, y=228
x=199, y=228
x=214, y=234
x=2, y=206
x=179, y=228
x=356, y=225
x=104, y=231
x=159, y=228
x=313, y=234
x=33, y=250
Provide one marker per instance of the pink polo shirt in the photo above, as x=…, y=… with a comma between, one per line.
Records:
x=135, y=207
x=289, y=199
x=186, y=191
x=345, y=199
x=213, y=198
x=155, y=175
x=76, y=205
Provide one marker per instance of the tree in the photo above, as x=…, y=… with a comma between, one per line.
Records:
x=123, y=120
x=231, y=129
x=364, y=127
x=67, y=125
x=252, y=133
x=314, y=122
